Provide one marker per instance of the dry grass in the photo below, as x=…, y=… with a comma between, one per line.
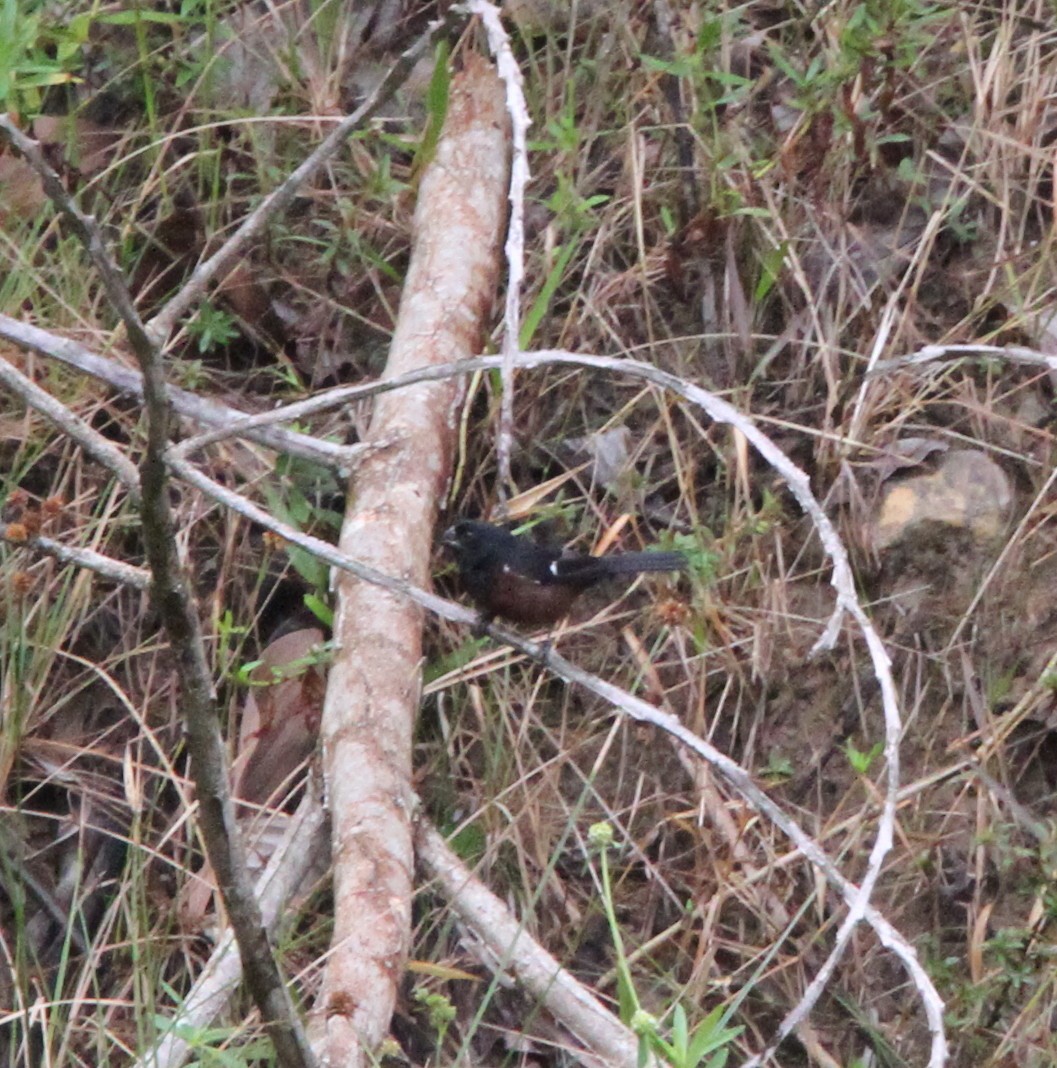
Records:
x=876, y=168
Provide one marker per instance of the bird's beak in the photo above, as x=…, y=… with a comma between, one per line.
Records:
x=450, y=538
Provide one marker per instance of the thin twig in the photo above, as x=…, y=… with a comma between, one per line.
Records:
x=842, y=581
x=73, y=426
x=510, y=72
x=847, y=602
x=935, y=353
x=322, y=550
x=106, y=566
x=856, y=897
x=342, y=458
x=639, y=710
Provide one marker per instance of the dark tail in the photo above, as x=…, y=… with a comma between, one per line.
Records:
x=635, y=563
x=585, y=570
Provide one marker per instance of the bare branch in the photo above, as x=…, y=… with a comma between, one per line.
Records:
x=341, y=458
x=322, y=550
x=107, y=567
x=935, y=353
x=510, y=72
x=93, y=443
x=374, y=683
x=509, y=944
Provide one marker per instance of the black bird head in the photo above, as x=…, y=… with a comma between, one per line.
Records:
x=469, y=535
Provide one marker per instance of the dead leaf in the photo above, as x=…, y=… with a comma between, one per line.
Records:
x=280, y=725
x=907, y=452
x=280, y=722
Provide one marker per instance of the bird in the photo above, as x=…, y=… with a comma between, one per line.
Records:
x=512, y=577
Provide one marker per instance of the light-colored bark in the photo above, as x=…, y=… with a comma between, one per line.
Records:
x=374, y=684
